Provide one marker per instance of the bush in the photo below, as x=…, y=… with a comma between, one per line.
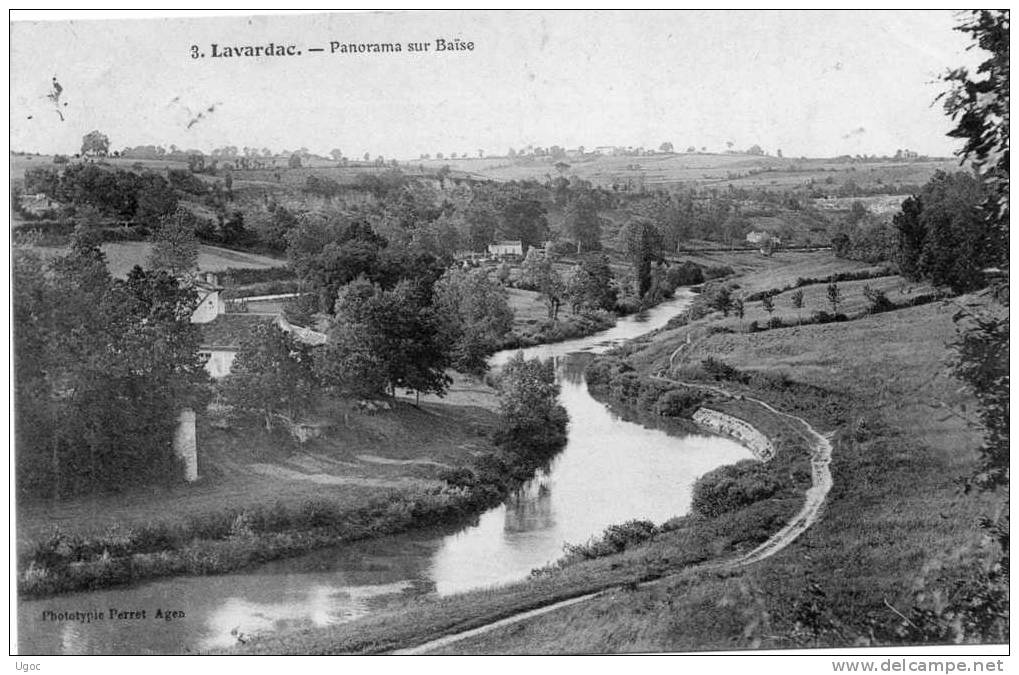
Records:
x=615, y=539
x=730, y=488
x=717, y=272
x=720, y=370
x=679, y=402
x=775, y=322
x=879, y=302
x=685, y=274
x=822, y=316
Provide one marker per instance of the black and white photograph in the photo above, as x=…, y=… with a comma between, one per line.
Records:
x=511, y=332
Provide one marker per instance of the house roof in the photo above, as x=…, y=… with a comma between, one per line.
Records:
x=508, y=242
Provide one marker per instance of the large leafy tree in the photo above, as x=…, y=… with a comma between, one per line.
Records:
x=95, y=143
x=474, y=315
x=582, y=222
x=174, y=243
x=522, y=213
x=945, y=235
x=532, y=422
x=589, y=284
x=392, y=337
x=272, y=376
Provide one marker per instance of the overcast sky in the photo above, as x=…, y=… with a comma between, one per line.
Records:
x=810, y=83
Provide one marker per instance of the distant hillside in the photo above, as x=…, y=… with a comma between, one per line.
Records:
x=711, y=170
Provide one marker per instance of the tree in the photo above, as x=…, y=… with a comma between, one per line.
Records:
x=575, y=285
x=720, y=298
x=330, y=252
x=797, y=300
x=522, y=214
x=155, y=198
x=643, y=244
x=174, y=244
x=768, y=303
x=272, y=377
x=95, y=143
x=582, y=222
x=532, y=423
x=980, y=108
x=540, y=273
x=295, y=161
x=834, y=297
x=739, y=306
x=336, y=154
x=665, y=147
x=474, y=315
x=945, y=236
x=395, y=335
x=911, y=235
x=598, y=291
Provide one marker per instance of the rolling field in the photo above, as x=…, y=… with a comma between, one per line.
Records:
x=706, y=170
x=122, y=256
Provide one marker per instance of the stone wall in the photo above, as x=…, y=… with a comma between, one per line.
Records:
x=734, y=427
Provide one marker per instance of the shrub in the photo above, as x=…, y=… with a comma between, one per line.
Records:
x=685, y=274
x=678, y=402
x=615, y=539
x=822, y=316
x=879, y=302
x=717, y=271
x=730, y=488
x=775, y=322
x=720, y=370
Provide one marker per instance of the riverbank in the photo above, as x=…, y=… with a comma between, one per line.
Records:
x=263, y=497
x=681, y=543
x=897, y=543
x=887, y=562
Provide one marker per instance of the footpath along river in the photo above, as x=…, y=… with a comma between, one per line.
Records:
x=610, y=471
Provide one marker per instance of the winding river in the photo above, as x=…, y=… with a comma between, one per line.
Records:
x=610, y=471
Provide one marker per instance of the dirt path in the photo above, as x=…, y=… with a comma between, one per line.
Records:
x=821, y=483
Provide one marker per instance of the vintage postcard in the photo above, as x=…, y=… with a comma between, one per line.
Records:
x=511, y=332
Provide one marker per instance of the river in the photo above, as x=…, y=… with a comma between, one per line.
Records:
x=610, y=471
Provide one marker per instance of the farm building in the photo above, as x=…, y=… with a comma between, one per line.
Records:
x=764, y=240
x=506, y=247
x=223, y=332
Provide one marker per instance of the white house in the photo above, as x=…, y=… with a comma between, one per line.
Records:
x=223, y=332
x=506, y=247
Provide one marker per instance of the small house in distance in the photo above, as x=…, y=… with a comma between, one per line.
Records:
x=765, y=241
x=506, y=247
